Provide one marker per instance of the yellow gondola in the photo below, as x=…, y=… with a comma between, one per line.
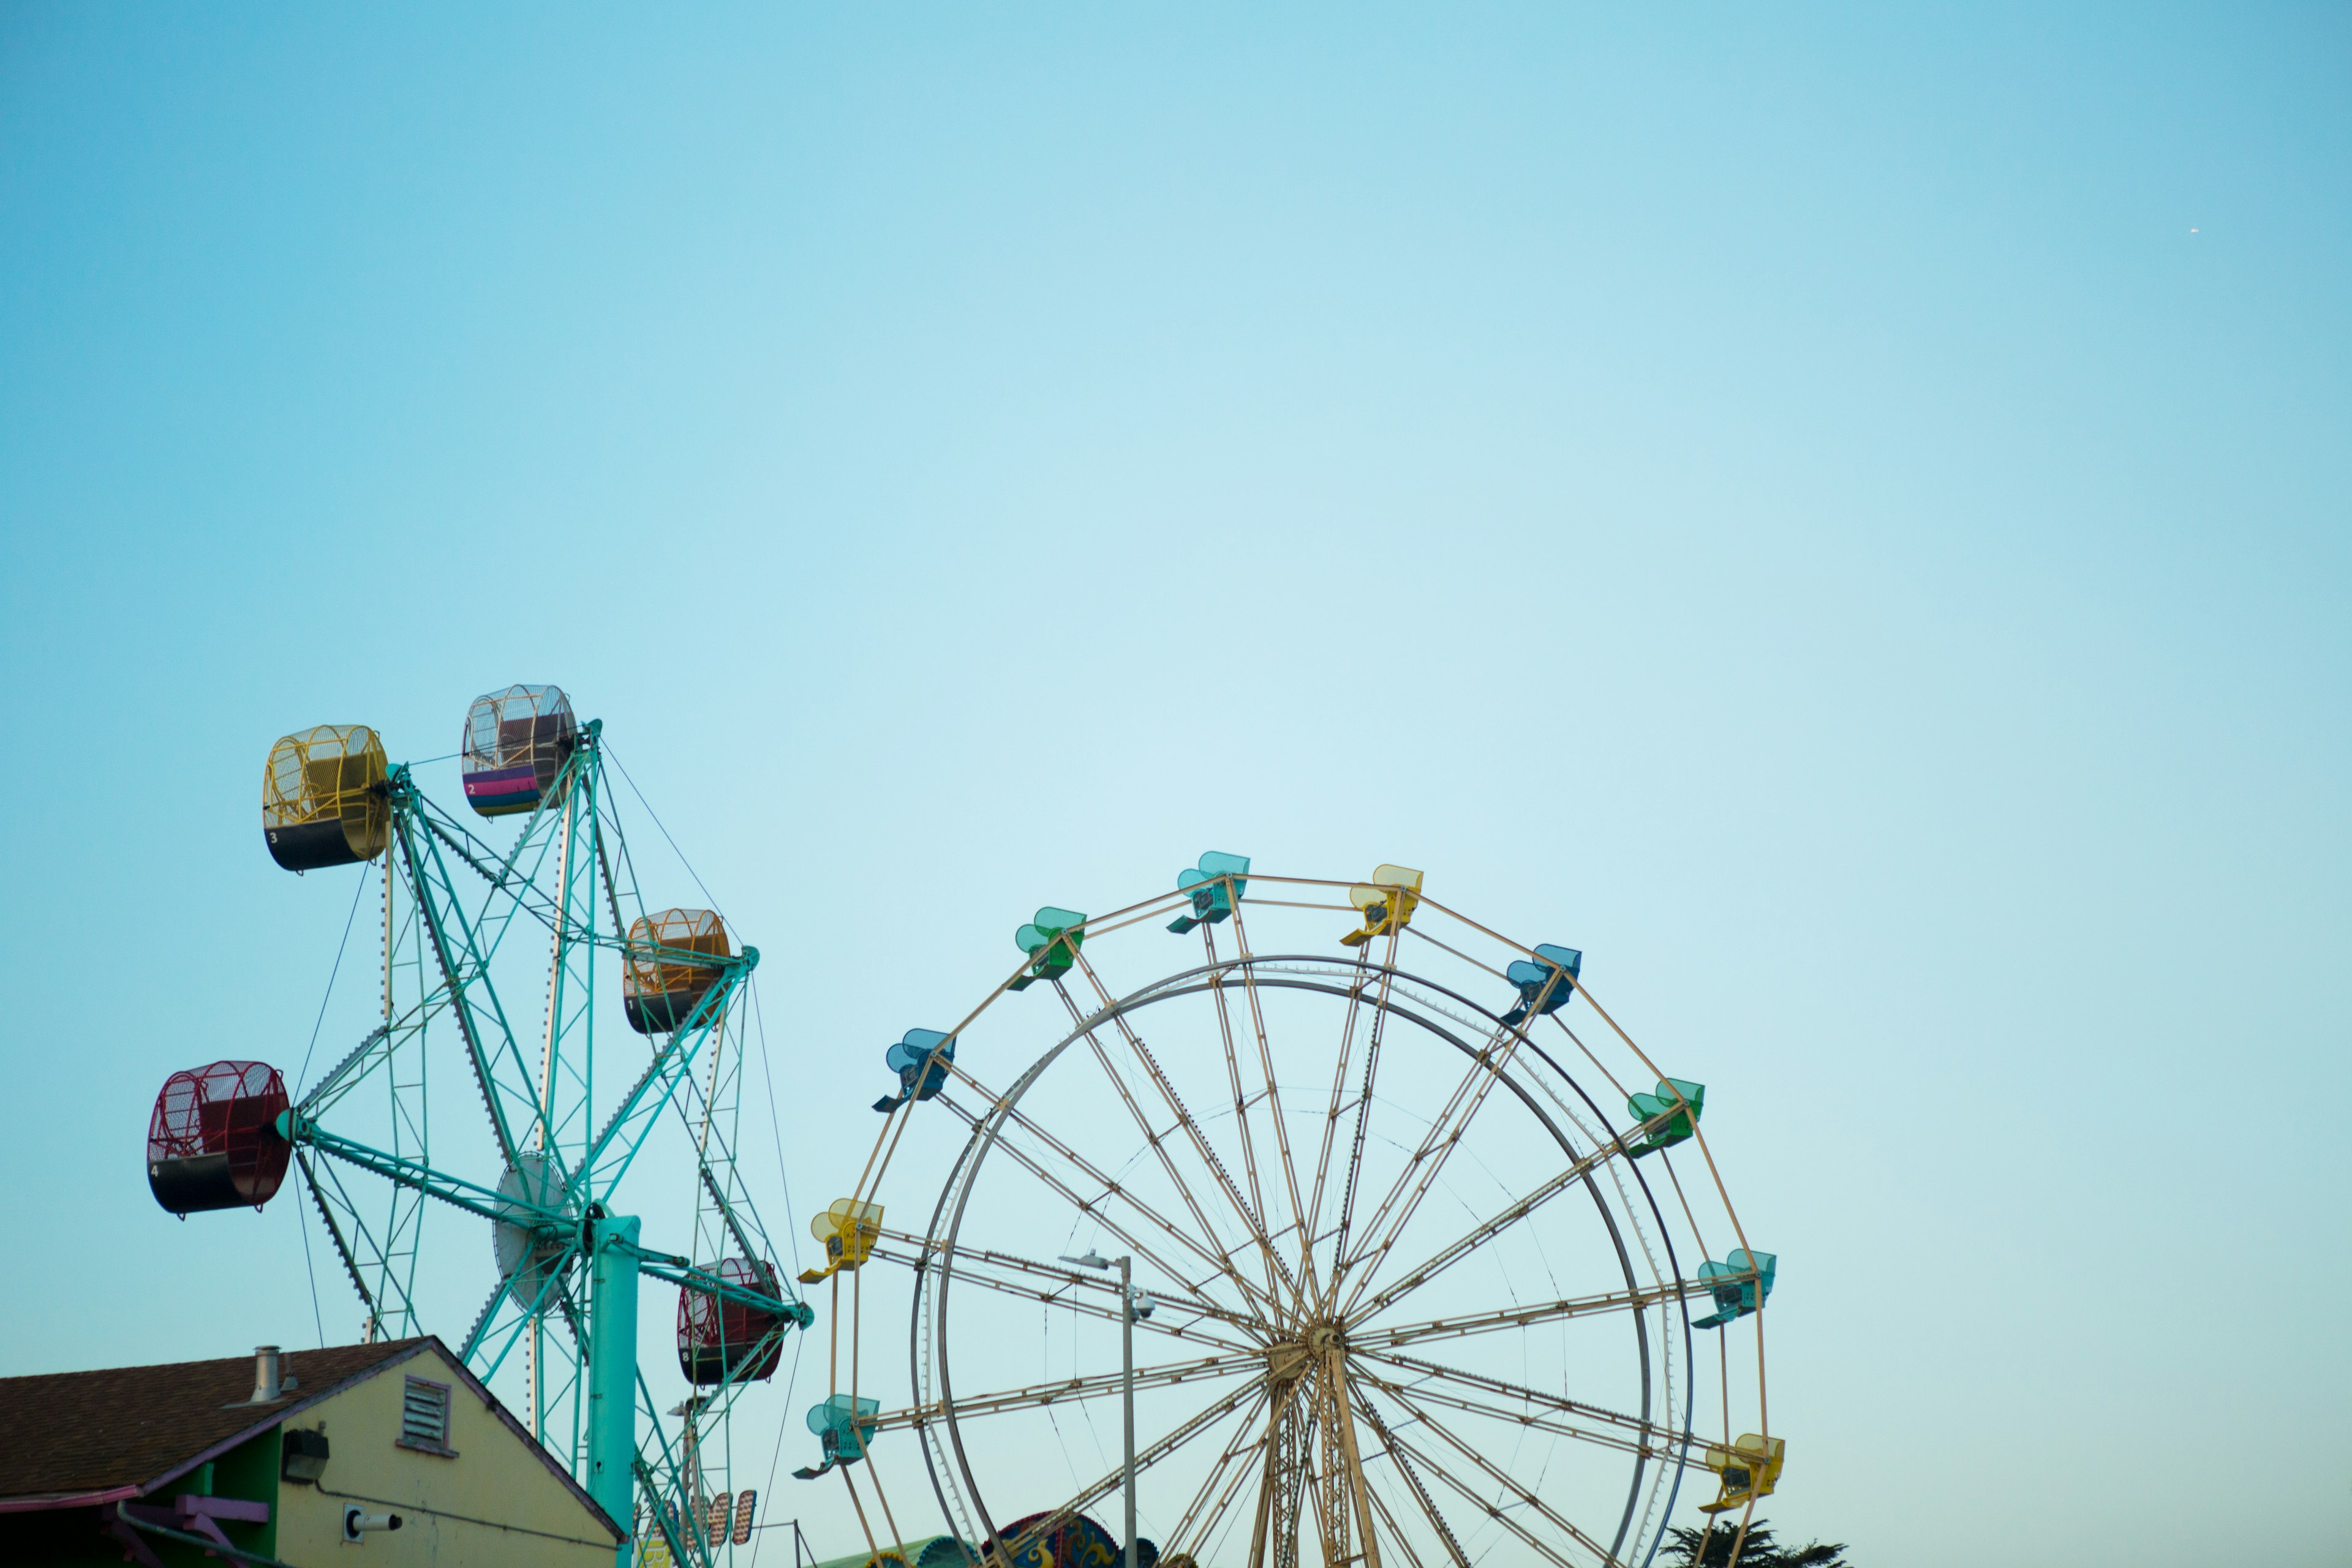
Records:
x=1387, y=901
x=849, y=1230
x=1748, y=1468
x=323, y=801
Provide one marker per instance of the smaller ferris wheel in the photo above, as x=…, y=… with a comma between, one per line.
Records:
x=1384, y=1239
x=537, y=1027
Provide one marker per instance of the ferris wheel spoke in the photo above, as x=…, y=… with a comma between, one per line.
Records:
x=498, y=871
x=1341, y=1233
x=1240, y=1097
x=1501, y=1477
x=1389, y=1337
x=1246, y=964
x=1043, y=1285
x=1251, y=1209
x=1419, y=1173
x=1103, y=1186
x=495, y=914
x=1255, y=1463
x=1400, y=1449
x=1045, y=1522
x=1395, y=1532
x=1629, y=1434
x=464, y=968
x=335, y=1233
x=376, y=1046
x=524, y=1312
x=1478, y=1236
x=1478, y=1500
x=1178, y=1438
x=1091, y=1282
x=1248, y=1402
x=1156, y=1139
x=1337, y=1109
x=965, y=1408
x=730, y=1218
x=1193, y=1528
x=1146, y=1456
x=668, y=1076
x=1394, y=1452
x=482, y=1321
x=390, y=1303
x=376, y=1050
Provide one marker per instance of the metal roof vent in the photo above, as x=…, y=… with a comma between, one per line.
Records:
x=271, y=1380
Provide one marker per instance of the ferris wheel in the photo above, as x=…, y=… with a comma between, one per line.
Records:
x=537, y=1027
x=1418, y=1257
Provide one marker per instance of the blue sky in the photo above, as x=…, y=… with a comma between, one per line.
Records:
x=1840, y=514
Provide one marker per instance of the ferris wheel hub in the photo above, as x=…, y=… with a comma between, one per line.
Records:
x=1290, y=1360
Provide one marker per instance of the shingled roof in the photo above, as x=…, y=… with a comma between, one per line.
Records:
x=72, y=1433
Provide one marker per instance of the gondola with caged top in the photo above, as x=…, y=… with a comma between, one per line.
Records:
x=213, y=1140
x=720, y=1341
x=662, y=984
x=324, y=800
x=517, y=743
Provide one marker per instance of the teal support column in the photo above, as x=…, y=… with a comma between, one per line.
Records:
x=612, y=1372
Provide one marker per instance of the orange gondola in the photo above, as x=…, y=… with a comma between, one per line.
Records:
x=661, y=987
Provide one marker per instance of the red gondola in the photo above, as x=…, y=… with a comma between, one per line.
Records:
x=212, y=1142
x=717, y=1338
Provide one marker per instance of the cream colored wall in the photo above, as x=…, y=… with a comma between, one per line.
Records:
x=493, y=1477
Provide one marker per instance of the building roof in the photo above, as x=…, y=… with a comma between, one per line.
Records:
x=71, y=1432
x=81, y=1438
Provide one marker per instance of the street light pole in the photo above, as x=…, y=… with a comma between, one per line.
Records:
x=1126, y=1267
x=1127, y=1389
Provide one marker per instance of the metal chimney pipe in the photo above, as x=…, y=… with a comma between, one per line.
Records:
x=265, y=1374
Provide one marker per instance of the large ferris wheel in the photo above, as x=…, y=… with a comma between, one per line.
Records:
x=1421, y=1257
x=538, y=1027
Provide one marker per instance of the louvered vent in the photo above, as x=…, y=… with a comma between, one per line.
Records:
x=425, y=1416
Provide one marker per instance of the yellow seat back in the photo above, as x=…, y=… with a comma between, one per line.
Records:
x=1748, y=1468
x=849, y=1229
x=1387, y=901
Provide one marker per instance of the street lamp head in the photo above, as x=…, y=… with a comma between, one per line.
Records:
x=1091, y=1260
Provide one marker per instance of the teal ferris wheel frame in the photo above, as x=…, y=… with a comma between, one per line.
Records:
x=570, y=1264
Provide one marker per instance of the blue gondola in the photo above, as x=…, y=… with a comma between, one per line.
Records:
x=1213, y=897
x=1540, y=991
x=920, y=1060
x=1745, y=1284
